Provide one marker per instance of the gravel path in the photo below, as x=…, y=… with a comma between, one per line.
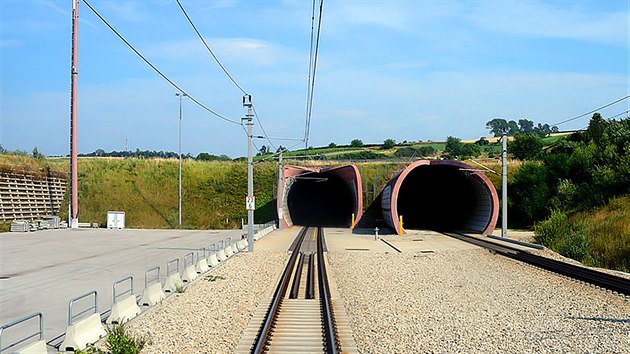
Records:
x=473, y=301
x=211, y=315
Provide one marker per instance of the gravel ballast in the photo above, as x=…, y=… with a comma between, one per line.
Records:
x=473, y=301
x=210, y=316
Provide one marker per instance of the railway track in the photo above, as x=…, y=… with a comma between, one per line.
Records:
x=600, y=279
x=299, y=318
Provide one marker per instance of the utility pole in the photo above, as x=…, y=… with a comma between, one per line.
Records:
x=280, y=177
x=251, y=200
x=74, y=190
x=180, y=95
x=504, y=185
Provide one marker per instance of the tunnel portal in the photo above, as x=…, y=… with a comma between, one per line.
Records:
x=441, y=196
x=320, y=199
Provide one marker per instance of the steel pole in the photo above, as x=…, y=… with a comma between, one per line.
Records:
x=504, y=186
x=74, y=190
x=247, y=102
x=278, y=195
x=179, y=204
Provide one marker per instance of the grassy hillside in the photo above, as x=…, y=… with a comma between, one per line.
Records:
x=608, y=229
x=213, y=193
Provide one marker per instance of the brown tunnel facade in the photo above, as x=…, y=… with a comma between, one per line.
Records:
x=319, y=197
x=440, y=195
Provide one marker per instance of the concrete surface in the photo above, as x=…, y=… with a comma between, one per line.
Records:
x=41, y=271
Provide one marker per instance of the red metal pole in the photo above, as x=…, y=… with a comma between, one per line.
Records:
x=74, y=203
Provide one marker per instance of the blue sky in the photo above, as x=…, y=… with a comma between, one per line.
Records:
x=408, y=70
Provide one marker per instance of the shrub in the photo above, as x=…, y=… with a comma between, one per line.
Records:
x=120, y=341
x=568, y=239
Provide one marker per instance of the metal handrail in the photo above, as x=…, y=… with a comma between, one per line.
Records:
x=72, y=316
x=129, y=291
x=168, y=266
x=204, y=253
x=19, y=321
x=192, y=259
x=154, y=279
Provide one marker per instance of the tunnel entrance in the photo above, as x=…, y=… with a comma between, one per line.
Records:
x=321, y=199
x=439, y=198
x=441, y=195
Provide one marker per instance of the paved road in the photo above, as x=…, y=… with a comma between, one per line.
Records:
x=43, y=270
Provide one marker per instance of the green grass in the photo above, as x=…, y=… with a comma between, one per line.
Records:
x=213, y=193
x=608, y=230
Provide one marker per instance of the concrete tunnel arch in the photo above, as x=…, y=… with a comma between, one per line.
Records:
x=440, y=195
x=319, y=197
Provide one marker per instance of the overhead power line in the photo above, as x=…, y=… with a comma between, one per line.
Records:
x=227, y=73
x=171, y=82
x=593, y=111
x=192, y=24
x=312, y=69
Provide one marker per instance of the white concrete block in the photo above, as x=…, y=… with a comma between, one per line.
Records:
x=152, y=295
x=190, y=274
x=124, y=310
x=202, y=266
x=213, y=261
x=38, y=347
x=172, y=282
x=86, y=331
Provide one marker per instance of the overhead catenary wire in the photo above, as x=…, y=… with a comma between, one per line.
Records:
x=312, y=69
x=171, y=82
x=223, y=68
x=593, y=111
x=192, y=24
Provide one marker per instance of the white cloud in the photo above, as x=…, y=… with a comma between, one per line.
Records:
x=228, y=50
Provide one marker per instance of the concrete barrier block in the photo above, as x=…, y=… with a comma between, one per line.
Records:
x=241, y=245
x=152, y=295
x=235, y=249
x=221, y=256
x=213, y=261
x=38, y=347
x=86, y=331
x=228, y=251
x=202, y=266
x=172, y=282
x=190, y=274
x=124, y=310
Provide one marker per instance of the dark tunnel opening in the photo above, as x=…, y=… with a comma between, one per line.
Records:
x=320, y=199
x=443, y=198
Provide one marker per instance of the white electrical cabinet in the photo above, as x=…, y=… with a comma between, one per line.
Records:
x=115, y=219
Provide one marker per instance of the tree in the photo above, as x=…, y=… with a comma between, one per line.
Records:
x=497, y=126
x=356, y=143
x=482, y=141
x=456, y=149
x=526, y=146
x=37, y=154
x=525, y=126
x=389, y=143
x=263, y=150
x=281, y=148
x=332, y=145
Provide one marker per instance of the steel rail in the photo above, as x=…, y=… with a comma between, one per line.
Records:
x=295, y=289
x=310, y=278
x=331, y=344
x=603, y=280
x=264, y=334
